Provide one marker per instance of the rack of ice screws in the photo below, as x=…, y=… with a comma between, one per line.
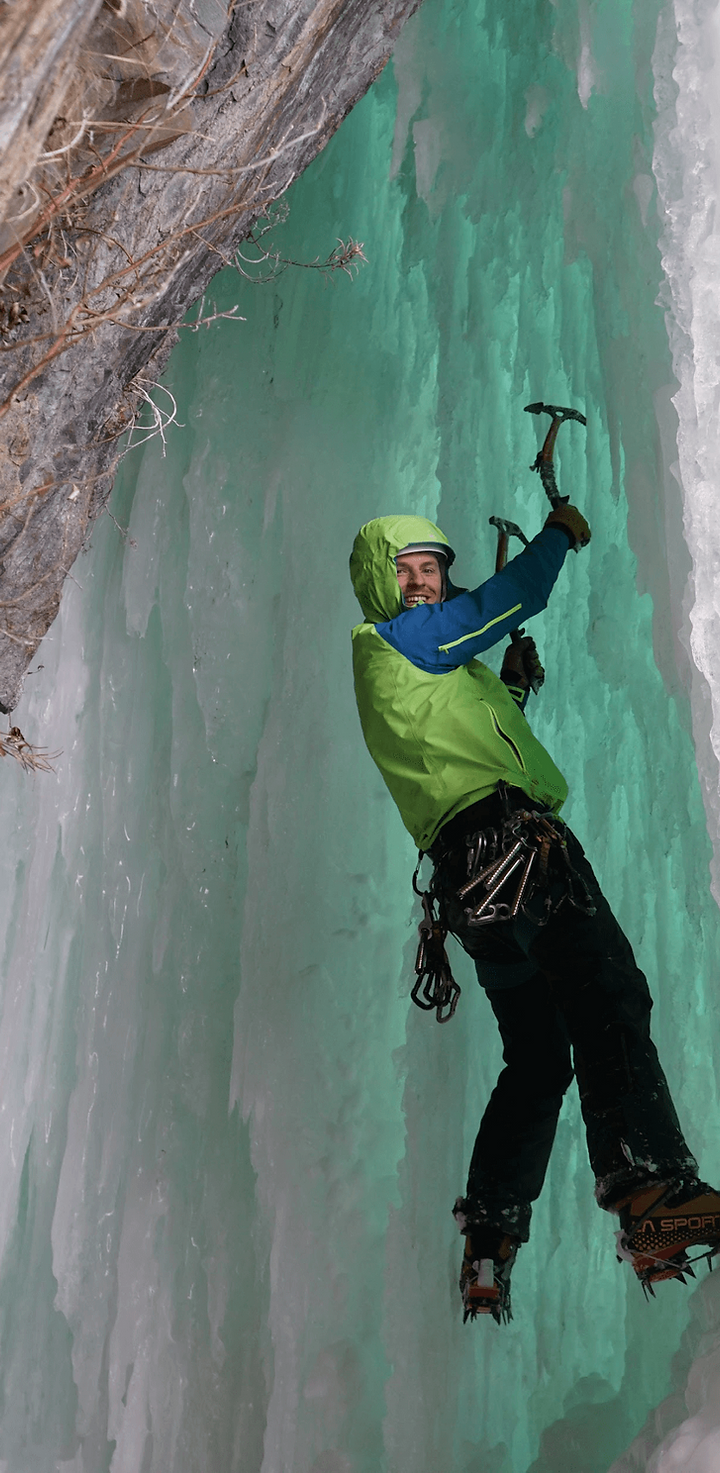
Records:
x=527, y=852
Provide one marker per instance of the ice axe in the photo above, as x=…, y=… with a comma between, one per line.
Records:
x=506, y=530
x=543, y=462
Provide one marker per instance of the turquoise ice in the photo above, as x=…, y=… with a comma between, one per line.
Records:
x=228, y=1146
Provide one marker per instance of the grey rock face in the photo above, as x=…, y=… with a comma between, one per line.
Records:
x=140, y=144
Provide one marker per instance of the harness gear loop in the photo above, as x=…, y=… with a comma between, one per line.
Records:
x=435, y=987
x=526, y=854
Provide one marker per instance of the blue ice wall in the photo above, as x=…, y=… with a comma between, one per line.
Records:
x=228, y=1146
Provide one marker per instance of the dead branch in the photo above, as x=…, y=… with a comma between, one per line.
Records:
x=31, y=759
x=200, y=321
x=78, y=188
x=346, y=256
x=162, y=419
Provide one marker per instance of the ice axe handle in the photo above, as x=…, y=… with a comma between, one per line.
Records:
x=543, y=462
x=505, y=531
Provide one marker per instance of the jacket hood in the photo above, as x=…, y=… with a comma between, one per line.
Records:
x=372, y=564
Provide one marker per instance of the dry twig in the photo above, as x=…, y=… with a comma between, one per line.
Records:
x=347, y=255
x=161, y=418
x=31, y=759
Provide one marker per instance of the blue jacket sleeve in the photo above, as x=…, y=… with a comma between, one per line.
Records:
x=439, y=637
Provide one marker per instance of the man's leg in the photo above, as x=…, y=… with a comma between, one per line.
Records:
x=633, y=1132
x=641, y=1161
x=593, y=979
x=517, y=1130
x=516, y=1133
x=643, y=1168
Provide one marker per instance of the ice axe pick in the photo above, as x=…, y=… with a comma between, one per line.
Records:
x=543, y=462
x=506, y=530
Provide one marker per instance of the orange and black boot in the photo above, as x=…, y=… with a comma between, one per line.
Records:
x=485, y=1274
x=661, y=1223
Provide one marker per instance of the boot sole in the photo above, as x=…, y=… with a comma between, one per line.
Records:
x=669, y=1262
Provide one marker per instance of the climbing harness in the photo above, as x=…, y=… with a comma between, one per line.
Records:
x=435, y=987
x=507, y=867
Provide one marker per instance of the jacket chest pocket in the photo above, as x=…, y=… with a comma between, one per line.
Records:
x=507, y=740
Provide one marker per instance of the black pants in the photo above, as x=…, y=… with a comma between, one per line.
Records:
x=566, y=995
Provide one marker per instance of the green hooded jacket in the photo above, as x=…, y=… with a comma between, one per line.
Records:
x=442, y=728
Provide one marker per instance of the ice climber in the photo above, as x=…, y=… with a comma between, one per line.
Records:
x=481, y=797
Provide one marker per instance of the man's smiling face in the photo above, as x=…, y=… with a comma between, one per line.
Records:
x=419, y=577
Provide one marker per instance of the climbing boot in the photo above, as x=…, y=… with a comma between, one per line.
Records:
x=485, y=1273
x=662, y=1222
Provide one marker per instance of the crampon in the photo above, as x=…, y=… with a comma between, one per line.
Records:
x=485, y=1274
x=663, y=1225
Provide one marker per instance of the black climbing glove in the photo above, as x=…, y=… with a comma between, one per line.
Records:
x=521, y=664
x=572, y=521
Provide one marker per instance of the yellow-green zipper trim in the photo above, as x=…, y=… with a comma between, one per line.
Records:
x=477, y=632
x=505, y=738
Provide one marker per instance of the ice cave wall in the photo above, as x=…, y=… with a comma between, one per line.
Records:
x=228, y=1148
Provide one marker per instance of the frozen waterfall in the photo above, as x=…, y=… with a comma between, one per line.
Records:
x=228, y=1145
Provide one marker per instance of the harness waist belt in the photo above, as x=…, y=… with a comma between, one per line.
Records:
x=486, y=813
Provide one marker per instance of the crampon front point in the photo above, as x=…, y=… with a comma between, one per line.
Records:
x=663, y=1225
x=485, y=1280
